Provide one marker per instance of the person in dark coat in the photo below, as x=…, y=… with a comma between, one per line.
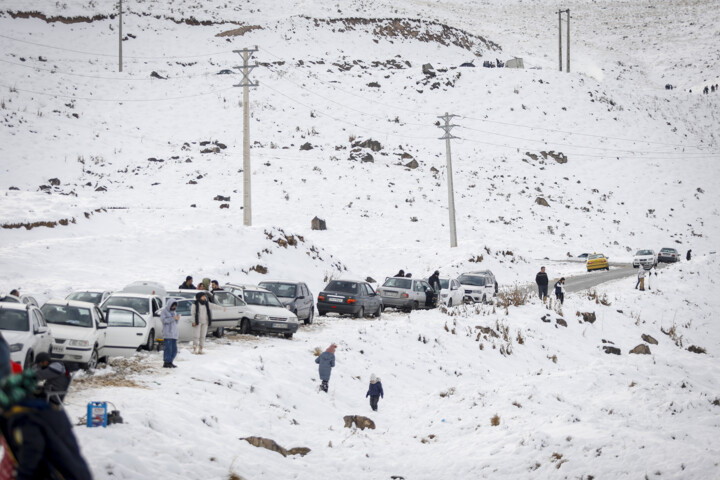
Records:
x=401, y=273
x=375, y=391
x=56, y=377
x=214, y=285
x=560, y=290
x=326, y=362
x=542, y=282
x=5, y=365
x=689, y=255
x=187, y=284
x=434, y=281
x=40, y=436
x=15, y=292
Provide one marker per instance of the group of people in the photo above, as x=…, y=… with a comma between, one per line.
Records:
x=542, y=281
x=326, y=362
x=202, y=320
x=712, y=89
x=34, y=426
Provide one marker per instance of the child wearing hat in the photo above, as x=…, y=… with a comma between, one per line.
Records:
x=375, y=391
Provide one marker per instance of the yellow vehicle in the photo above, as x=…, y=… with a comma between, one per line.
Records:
x=597, y=261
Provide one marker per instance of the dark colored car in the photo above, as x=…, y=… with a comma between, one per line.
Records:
x=349, y=297
x=295, y=296
x=668, y=255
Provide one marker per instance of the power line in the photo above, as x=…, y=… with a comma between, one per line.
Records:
x=119, y=100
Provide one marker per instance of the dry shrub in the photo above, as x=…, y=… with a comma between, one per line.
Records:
x=515, y=297
x=317, y=352
x=495, y=420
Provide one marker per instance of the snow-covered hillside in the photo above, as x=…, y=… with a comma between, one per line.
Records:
x=108, y=177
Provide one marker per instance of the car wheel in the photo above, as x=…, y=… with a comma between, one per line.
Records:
x=382, y=308
x=309, y=320
x=150, y=341
x=28, y=360
x=321, y=313
x=360, y=313
x=245, y=326
x=379, y=312
x=415, y=306
x=288, y=335
x=93, y=360
x=219, y=333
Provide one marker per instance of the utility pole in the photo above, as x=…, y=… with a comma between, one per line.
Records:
x=120, y=37
x=246, y=83
x=451, y=192
x=560, y=38
x=568, y=40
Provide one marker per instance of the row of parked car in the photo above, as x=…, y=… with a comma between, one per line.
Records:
x=91, y=325
x=646, y=258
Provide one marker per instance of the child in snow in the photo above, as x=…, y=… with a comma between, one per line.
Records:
x=375, y=391
x=560, y=290
x=641, y=279
x=326, y=362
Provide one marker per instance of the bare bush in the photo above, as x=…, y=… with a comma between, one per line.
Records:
x=515, y=297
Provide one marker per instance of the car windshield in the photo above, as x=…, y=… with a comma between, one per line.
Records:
x=596, y=256
x=90, y=297
x=67, y=315
x=140, y=305
x=444, y=284
x=474, y=280
x=183, y=293
x=668, y=250
x=343, y=287
x=644, y=252
x=280, y=289
x=10, y=299
x=266, y=299
x=14, y=320
x=405, y=283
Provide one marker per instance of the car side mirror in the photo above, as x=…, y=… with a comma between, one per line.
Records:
x=156, y=313
x=301, y=297
x=102, y=326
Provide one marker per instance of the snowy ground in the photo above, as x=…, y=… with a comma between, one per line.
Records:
x=135, y=199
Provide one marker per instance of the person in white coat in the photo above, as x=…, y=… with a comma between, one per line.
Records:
x=641, y=279
x=202, y=319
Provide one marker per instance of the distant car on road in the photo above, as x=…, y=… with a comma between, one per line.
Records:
x=25, y=332
x=349, y=297
x=668, y=255
x=583, y=255
x=478, y=286
x=645, y=258
x=296, y=297
x=404, y=293
x=597, y=261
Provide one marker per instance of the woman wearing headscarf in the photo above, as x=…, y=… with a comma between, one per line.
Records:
x=326, y=362
x=202, y=319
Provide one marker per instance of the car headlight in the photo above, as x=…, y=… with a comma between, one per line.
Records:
x=79, y=343
x=16, y=347
x=262, y=317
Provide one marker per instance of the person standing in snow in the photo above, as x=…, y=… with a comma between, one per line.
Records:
x=202, y=320
x=326, y=362
x=689, y=255
x=542, y=282
x=560, y=290
x=187, y=284
x=641, y=279
x=434, y=281
x=375, y=391
x=169, y=320
x=431, y=297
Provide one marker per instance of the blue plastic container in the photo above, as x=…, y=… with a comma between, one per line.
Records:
x=97, y=414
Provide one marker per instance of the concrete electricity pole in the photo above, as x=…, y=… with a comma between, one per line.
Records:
x=451, y=192
x=120, y=36
x=568, y=40
x=246, y=68
x=560, y=12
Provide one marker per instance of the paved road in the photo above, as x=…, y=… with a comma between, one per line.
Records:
x=593, y=279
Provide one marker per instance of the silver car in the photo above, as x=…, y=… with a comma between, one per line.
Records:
x=404, y=293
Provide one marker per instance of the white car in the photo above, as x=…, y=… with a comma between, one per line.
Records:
x=264, y=311
x=25, y=331
x=147, y=306
x=645, y=258
x=478, y=286
x=92, y=296
x=451, y=292
x=83, y=335
x=24, y=299
x=227, y=308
